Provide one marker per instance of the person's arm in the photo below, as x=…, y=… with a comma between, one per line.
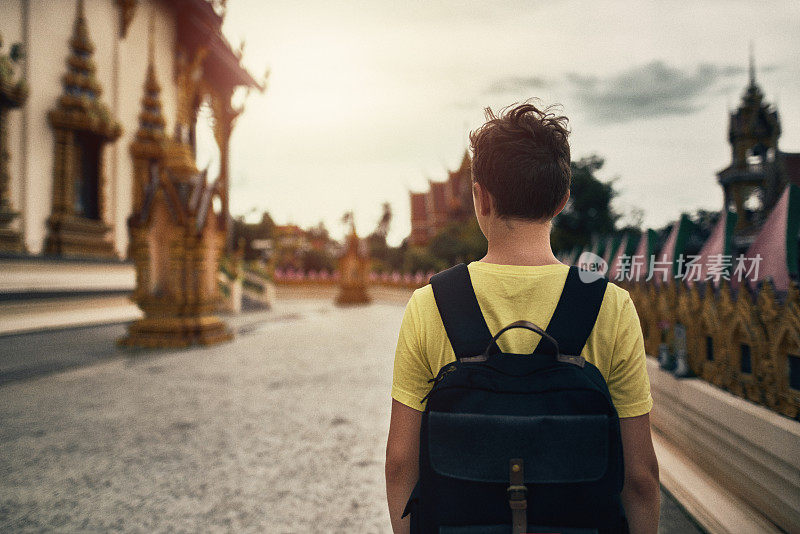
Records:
x=630, y=390
x=641, y=494
x=402, y=461
x=410, y=384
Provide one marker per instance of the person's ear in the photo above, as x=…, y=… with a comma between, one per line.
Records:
x=563, y=204
x=483, y=198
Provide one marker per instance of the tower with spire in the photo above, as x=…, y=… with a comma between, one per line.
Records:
x=754, y=180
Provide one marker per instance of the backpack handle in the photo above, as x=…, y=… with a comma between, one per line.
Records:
x=528, y=326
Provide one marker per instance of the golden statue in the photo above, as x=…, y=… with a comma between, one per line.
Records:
x=353, y=269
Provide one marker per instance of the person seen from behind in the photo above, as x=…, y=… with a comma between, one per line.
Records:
x=520, y=182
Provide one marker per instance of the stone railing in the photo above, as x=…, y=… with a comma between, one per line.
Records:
x=292, y=276
x=258, y=287
x=744, y=341
x=394, y=279
x=237, y=280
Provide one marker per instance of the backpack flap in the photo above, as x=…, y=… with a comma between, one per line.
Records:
x=477, y=447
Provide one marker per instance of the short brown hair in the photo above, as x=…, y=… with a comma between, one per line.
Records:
x=522, y=158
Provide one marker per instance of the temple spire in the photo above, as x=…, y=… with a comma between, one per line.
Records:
x=752, y=65
x=148, y=144
x=466, y=162
x=151, y=119
x=151, y=40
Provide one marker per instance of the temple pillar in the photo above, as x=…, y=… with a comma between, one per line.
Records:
x=225, y=116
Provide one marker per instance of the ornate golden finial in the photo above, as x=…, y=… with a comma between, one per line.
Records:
x=80, y=41
x=79, y=106
x=152, y=87
x=151, y=119
x=151, y=39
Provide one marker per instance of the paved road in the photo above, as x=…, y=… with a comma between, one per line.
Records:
x=280, y=431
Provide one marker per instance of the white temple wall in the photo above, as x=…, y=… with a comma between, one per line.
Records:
x=132, y=61
x=103, y=21
x=47, y=50
x=121, y=68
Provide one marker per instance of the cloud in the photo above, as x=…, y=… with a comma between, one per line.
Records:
x=514, y=84
x=654, y=89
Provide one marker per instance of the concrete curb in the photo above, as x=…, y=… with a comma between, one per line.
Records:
x=714, y=508
x=733, y=465
x=37, y=315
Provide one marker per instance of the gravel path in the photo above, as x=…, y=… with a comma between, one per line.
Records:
x=281, y=431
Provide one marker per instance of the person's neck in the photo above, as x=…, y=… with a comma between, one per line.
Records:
x=519, y=243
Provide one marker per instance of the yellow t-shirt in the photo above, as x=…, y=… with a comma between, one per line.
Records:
x=507, y=293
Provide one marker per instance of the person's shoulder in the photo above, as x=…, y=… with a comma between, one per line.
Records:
x=615, y=298
x=422, y=299
x=616, y=292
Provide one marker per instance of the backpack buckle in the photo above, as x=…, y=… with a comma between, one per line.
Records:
x=517, y=497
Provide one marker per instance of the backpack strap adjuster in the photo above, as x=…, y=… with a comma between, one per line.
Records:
x=517, y=496
x=575, y=360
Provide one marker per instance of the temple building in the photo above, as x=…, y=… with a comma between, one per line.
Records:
x=759, y=170
x=760, y=213
x=101, y=105
x=69, y=185
x=444, y=202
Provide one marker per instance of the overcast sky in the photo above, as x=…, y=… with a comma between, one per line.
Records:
x=368, y=100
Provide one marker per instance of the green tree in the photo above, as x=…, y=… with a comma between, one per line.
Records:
x=460, y=241
x=249, y=232
x=588, y=211
x=420, y=259
x=395, y=258
x=319, y=232
x=376, y=241
x=703, y=224
x=317, y=260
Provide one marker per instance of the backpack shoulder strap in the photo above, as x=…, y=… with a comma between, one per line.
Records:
x=576, y=311
x=461, y=315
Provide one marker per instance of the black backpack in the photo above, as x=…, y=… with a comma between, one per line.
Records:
x=518, y=443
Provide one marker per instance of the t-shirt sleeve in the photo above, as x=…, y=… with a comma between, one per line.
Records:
x=628, y=381
x=412, y=372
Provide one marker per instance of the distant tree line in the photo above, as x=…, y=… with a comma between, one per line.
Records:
x=587, y=216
